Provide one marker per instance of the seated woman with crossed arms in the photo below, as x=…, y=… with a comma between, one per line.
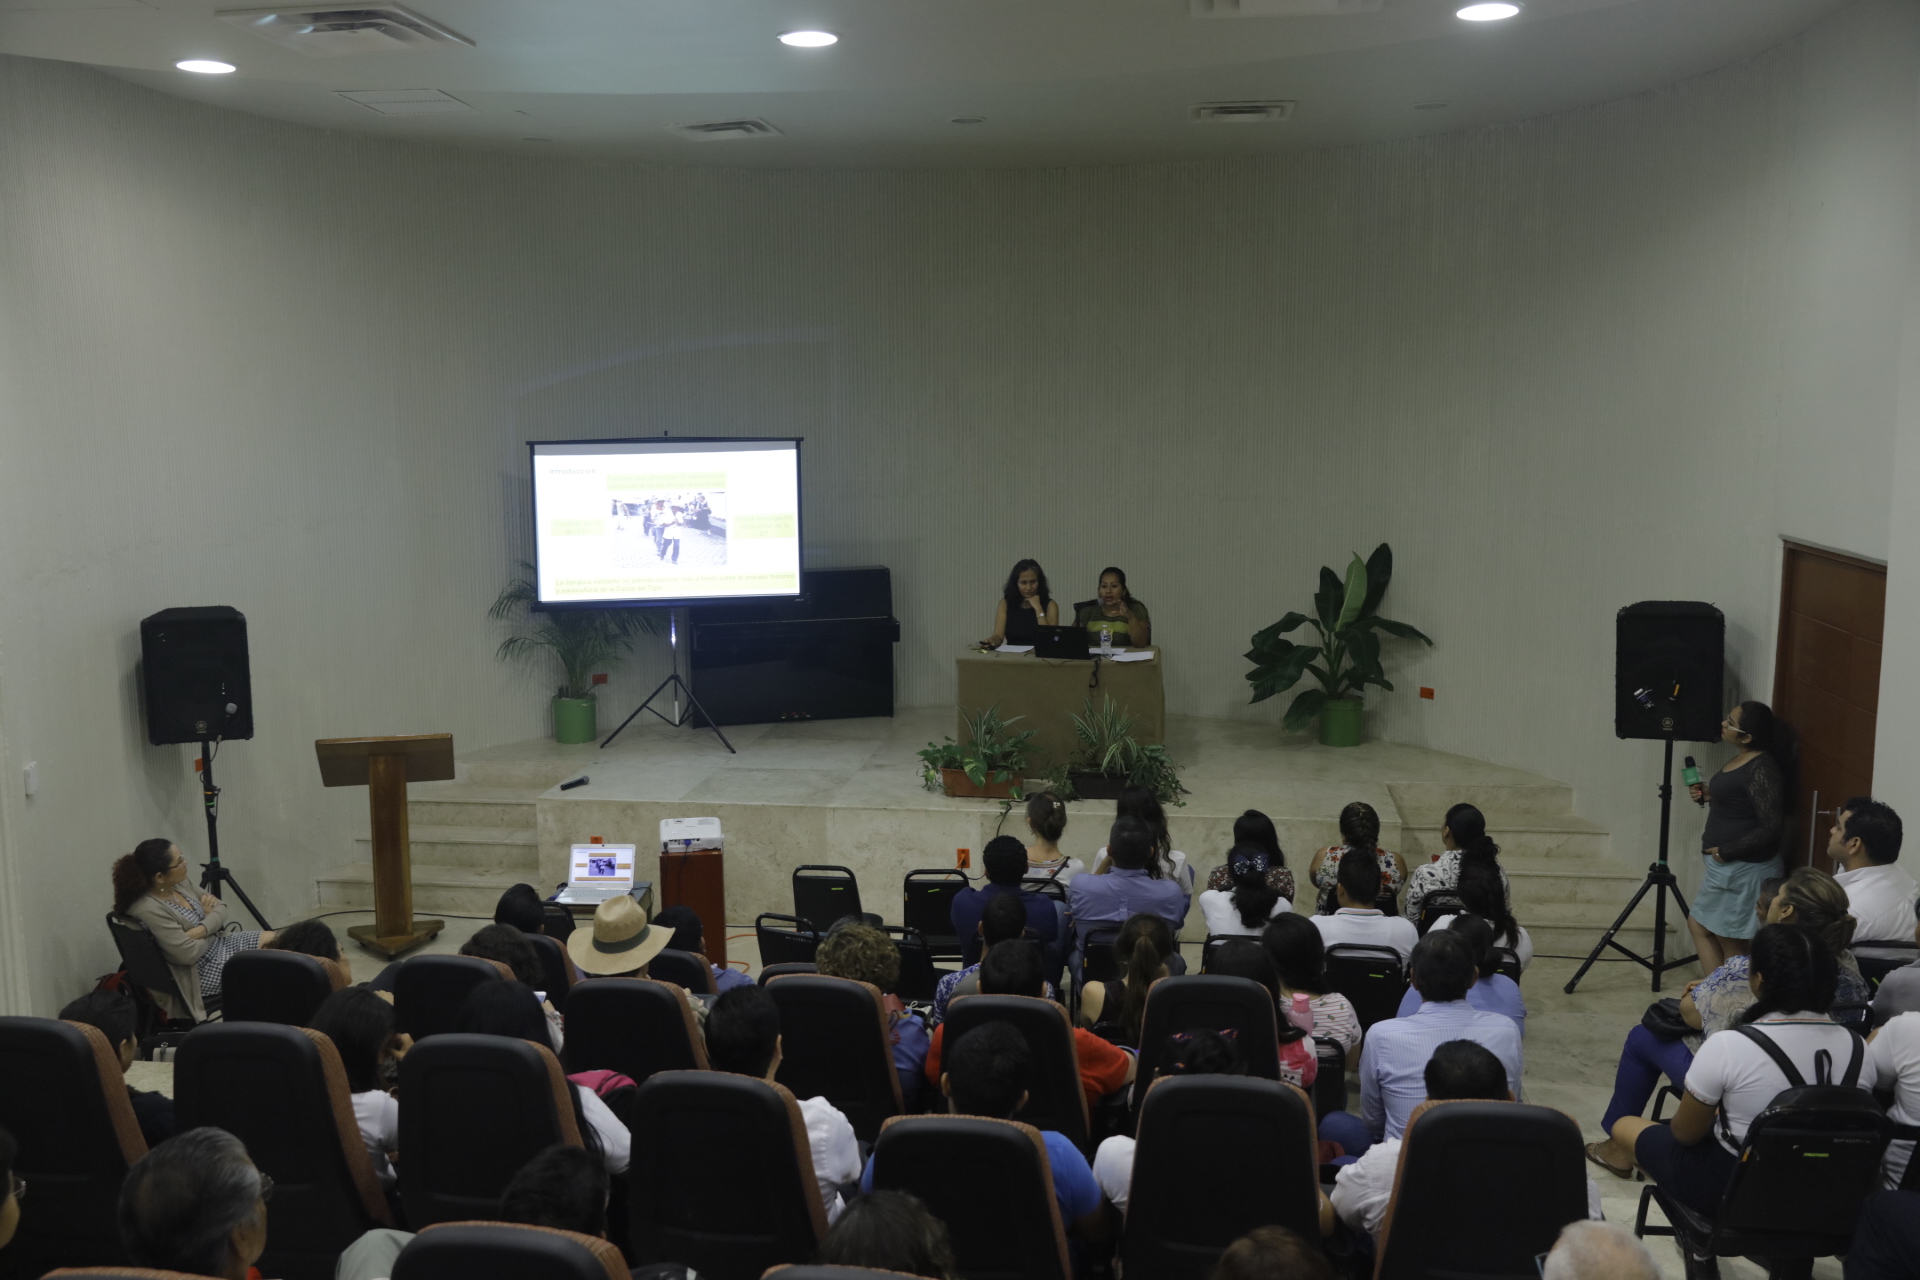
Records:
x=1025, y=604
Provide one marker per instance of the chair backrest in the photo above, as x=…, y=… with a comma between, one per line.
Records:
x=1876, y=967
x=990, y=1182
x=835, y=1044
x=1055, y=1100
x=476, y=1109
x=505, y=1251
x=785, y=939
x=65, y=1103
x=926, y=904
x=273, y=986
x=282, y=1091
x=119, y=1273
x=1214, y=1002
x=1482, y=1189
x=1262, y=1130
x=1445, y=902
x=1772, y=1203
x=708, y=1130
x=1218, y=943
x=1330, y=1082
x=1371, y=978
x=428, y=991
x=556, y=968
x=635, y=1026
x=1046, y=887
x=817, y=1271
x=142, y=958
x=823, y=894
x=1507, y=962
x=918, y=978
x=769, y=972
x=1097, y=961
x=558, y=921
x=683, y=969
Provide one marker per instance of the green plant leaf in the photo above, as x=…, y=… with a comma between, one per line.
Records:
x=1355, y=594
x=1400, y=629
x=1304, y=708
x=1272, y=651
x=1327, y=600
x=1267, y=635
x=1379, y=574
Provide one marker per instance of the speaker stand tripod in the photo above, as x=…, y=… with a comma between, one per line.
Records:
x=679, y=686
x=1659, y=882
x=216, y=874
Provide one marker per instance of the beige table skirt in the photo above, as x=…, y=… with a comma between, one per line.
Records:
x=1047, y=692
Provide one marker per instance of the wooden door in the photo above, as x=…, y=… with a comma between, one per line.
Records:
x=1826, y=681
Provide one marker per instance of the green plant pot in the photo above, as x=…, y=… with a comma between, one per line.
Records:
x=1340, y=723
x=575, y=720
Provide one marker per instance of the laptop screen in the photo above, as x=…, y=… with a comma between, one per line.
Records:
x=602, y=866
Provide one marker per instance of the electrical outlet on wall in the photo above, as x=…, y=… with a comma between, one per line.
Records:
x=30, y=776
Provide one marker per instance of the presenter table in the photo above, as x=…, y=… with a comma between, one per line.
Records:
x=1048, y=692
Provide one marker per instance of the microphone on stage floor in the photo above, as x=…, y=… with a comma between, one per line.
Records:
x=580, y=781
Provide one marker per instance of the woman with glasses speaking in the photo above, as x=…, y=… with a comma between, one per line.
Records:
x=1747, y=805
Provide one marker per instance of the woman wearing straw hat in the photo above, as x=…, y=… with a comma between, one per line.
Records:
x=621, y=943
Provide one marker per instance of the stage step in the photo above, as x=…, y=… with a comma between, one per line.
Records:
x=461, y=890
x=1572, y=928
x=505, y=849
x=554, y=765
x=1427, y=802
x=465, y=804
x=1539, y=880
x=1519, y=835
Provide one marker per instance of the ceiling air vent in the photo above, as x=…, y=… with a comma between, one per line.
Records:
x=404, y=102
x=725, y=130
x=1277, y=8
x=1239, y=112
x=341, y=30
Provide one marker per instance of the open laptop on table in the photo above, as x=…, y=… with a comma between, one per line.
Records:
x=1061, y=642
x=597, y=872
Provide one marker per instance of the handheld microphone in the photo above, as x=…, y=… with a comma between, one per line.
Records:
x=580, y=781
x=1691, y=774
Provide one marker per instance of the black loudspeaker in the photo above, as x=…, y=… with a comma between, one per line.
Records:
x=1668, y=670
x=194, y=667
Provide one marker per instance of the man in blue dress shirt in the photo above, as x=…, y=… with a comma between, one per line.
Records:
x=1131, y=886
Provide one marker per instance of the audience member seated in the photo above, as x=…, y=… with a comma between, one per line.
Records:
x=1005, y=921
x=1359, y=830
x=865, y=954
x=1464, y=835
x=1017, y=969
x=1393, y=1063
x=509, y=946
x=987, y=1073
x=10, y=1189
x=563, y=1187
x=113, y=1015
x=521, y=907
x=313, y=938
x=1005, y=859
x=743, y=1036
x=1794, y=975
x=620, y=944
x=1899, y=991
x=1133, y=883
x=1138, y=802
x=690, y=936
x=890, y=1231
x=1866, y=837
x=1143, y=949
x=1894, y=1051
x=1494, y=992
x=509, y=1009
x=149, y=885
x=1357, y=922
x=1191, y=1053
x=1815, y=901
x=1300, y=959
x=1272, y=1253
x=1886, y=1245
x=1047, y=820
x=361, y=1026
x=1256, y=828
x=1299, y=1063
x=196, y=1204
x=1482, y=893
x=1458, y=1069
x=1598, y=1251
x=1243, y=910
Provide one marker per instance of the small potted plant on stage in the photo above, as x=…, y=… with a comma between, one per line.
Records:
x=987, y=765
x=578, y=639
x=1347, y=658
x=1107, y=758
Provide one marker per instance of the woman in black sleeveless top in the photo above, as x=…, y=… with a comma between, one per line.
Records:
x=1025, y=605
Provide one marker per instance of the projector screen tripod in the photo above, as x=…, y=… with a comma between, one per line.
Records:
x=216, y=874
x=680, y=718
x=1660, y=882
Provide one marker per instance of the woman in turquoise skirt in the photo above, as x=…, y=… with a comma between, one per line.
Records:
x=1747, y=806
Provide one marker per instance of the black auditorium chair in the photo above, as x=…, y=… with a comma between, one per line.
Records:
x=683, y=969
x=1055, y=1100
x=506, y=1251
x=834, y=1044
x=557, y=920
x=989, y=1181
x=1213, y=1002
x=919, y=980
x=1436, y=906
x=1330, y=1081
x=927, y=905
x=1507, y=962
x=65, y=1103
x=1373, y=979
x=635, y=1026
x=824, y=894
x=146, y=965
x=115, y=1273
x=785, y=939
x=477, y=1109
x=282, y=1091
x=428, y=991
x=708, y=1130
x=1178, y=1225
x=273, y=986
x=817, y=1271
x=1483, y=1189
x=556, y=969
x=771, y=971
x=1875, y=967
x=1098, y=963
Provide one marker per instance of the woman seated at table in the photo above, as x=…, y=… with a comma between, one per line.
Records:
x=1117, y=611
x=1025, y=604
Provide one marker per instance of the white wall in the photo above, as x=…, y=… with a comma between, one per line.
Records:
x=1562, y=366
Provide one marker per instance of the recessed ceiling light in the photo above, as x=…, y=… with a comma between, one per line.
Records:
x=205, y=66
x=1493, y=11
x=968, y=120
x=809, y=39
x=1430, y=106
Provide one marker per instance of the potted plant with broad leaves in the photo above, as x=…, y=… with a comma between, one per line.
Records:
x=988, y=764
x=580, y=640
x=1107, y=758
x=1347, y=658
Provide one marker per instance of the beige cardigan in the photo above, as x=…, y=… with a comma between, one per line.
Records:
x=181, y=951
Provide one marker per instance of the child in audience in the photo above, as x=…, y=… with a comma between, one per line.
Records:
x=890, y=1231
x=1300, y=958
x=509, y=946
x=509, y=1009
x=1144, y=949
x=361, y=1026
x=1272, y=1253
x=563, y=1187
x=865, y=954
x=1005, y=920
x=113, y=1015
x=1492, y=992
x=743, y=1036
x=689, y=935
x=1243, y=909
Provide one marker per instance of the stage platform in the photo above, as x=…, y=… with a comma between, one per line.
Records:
x=848, y=792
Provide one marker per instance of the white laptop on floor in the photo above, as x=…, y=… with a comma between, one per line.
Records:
x=597, y=872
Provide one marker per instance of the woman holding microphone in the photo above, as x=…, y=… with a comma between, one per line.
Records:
x=1747, y=805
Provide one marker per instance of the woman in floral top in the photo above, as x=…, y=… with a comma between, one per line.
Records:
x=1359, y=829
x=1256, y=828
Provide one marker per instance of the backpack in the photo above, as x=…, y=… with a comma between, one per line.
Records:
x=1799, y=1097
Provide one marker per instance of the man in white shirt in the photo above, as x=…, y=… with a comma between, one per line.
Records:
x=1356, y=887
x=1865, y=842
x=1894, y=1054
x=1394, y=1057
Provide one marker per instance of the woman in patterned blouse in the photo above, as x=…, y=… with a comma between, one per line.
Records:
x=1359, y=830
x=1256, y=828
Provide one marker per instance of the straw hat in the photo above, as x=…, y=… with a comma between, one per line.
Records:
x=620, y=941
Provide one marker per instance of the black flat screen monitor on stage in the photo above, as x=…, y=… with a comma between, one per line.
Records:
x=665, y=520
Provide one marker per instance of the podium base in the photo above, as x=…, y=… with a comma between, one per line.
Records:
x=391, y=946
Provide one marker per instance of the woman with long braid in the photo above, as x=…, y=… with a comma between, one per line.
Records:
x=1359, y=833
x=1464, y=834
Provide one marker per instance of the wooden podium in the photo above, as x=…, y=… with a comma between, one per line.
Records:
x=384, y=766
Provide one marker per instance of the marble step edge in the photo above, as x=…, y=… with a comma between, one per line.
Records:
x=453, y=890
x=420, y=833
x=1499, y=824
x=1541, y=798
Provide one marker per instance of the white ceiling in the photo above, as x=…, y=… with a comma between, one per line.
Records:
x=1058, y=81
